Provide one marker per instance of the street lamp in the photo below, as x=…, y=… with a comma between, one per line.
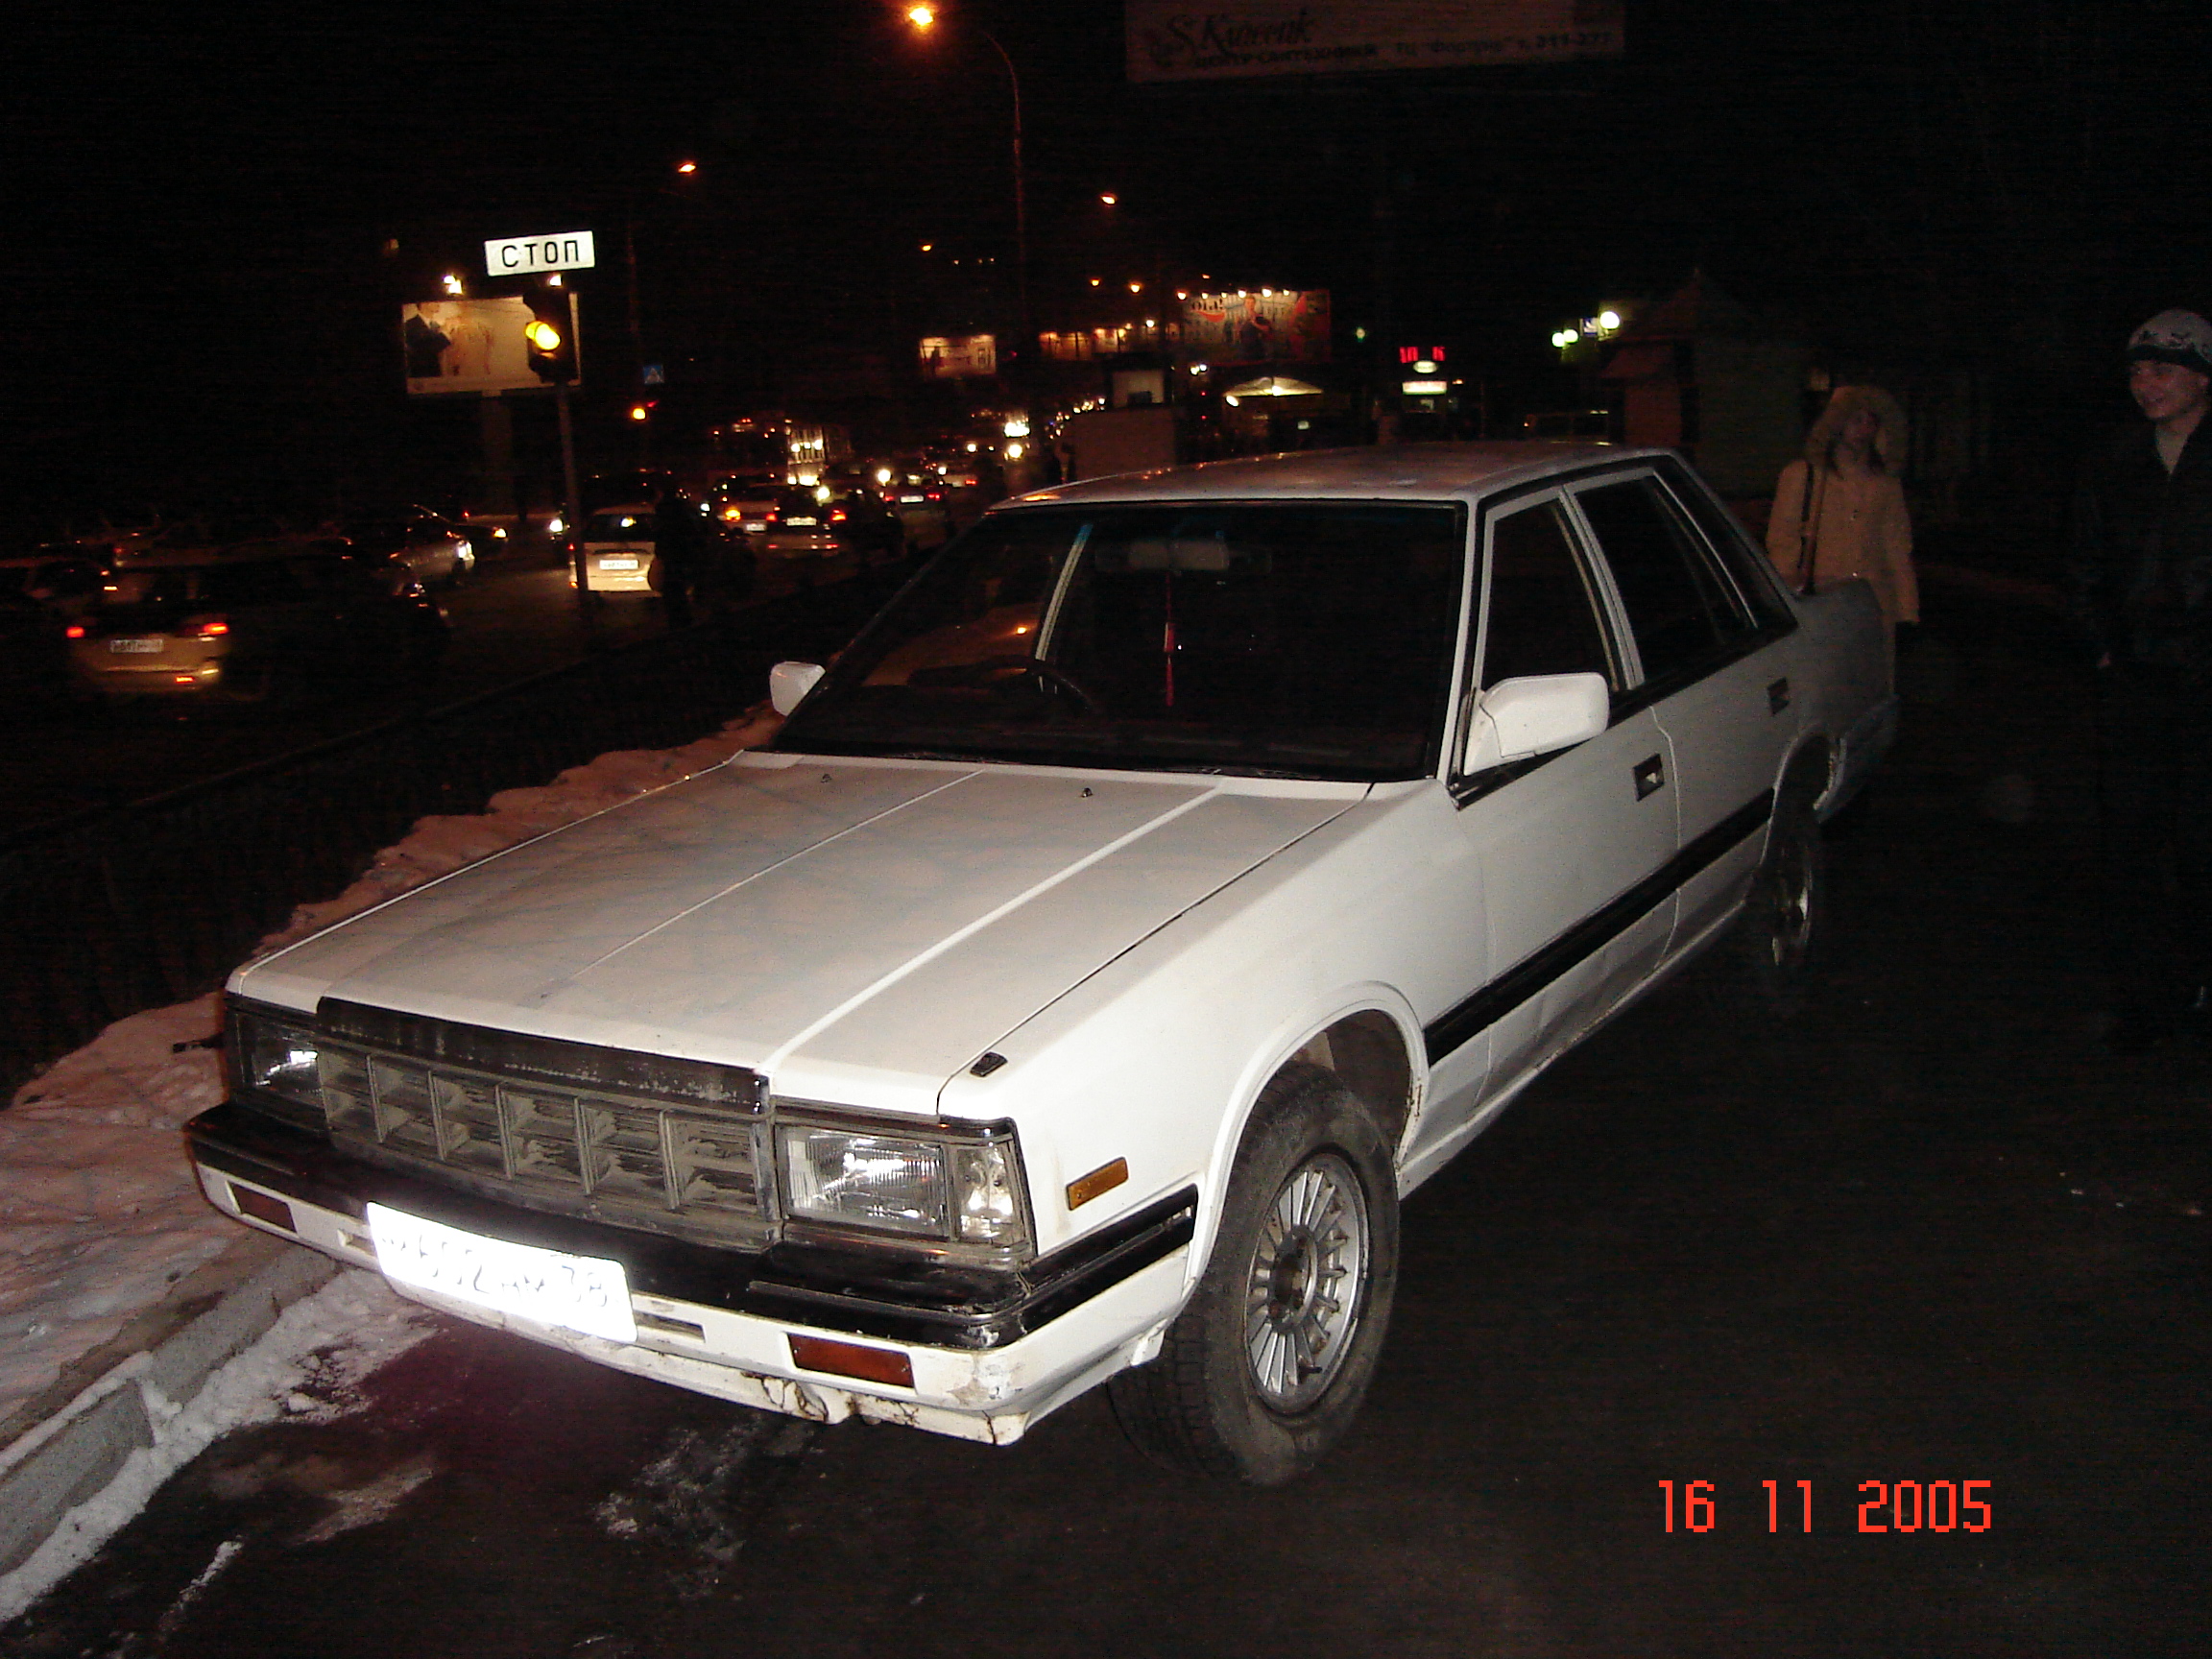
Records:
x=923, y=18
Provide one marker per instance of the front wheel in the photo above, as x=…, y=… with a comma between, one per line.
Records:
x=1264, y=1369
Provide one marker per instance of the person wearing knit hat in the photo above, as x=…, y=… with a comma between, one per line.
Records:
x=2141, y=565
x=1839, y=513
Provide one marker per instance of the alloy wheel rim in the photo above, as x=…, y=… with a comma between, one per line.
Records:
x=1307, y=1281
x=1792, y=907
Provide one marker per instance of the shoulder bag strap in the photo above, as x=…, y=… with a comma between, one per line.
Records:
x=1809, y=525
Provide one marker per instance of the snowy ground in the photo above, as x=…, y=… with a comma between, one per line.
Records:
x=99, y=1213
x=306, y=1367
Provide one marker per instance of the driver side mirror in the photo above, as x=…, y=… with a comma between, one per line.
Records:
x=1536, y=714
x=788, y=684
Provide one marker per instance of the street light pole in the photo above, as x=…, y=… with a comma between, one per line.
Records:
x=925, y=18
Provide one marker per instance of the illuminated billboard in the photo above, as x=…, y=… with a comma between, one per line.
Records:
x=457, y=345
x=1245, y=39
x=1276, y=325
x=961, y=355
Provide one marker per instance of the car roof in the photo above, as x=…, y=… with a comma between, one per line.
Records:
x=238, y=553
x=1396, y=472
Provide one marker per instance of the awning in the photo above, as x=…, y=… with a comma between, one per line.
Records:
x=1270, y=386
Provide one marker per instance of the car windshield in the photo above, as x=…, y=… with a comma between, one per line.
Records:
x=1309, y=639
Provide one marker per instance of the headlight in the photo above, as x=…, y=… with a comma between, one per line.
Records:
x=956, y=1187
x=866, y=1181
x=274, y=1057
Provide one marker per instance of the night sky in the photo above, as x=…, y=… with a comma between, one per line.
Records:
x=201, y=202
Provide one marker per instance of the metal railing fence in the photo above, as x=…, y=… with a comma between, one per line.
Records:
x=119, y=911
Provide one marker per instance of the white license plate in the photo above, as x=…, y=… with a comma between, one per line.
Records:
x=808, y=523
x=576, y=1292
x=137, y=647
x=617, y=563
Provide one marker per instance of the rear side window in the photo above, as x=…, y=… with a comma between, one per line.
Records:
x=1681, y=610
x=1744, y=559
x=1540, y=615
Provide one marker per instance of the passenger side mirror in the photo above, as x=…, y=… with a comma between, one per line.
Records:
x=788, y=684
x=1534, y=715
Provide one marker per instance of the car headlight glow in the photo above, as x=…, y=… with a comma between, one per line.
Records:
x=274, y=1057
x=956, y=1186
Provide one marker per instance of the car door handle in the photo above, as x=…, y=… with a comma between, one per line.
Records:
x=1651, y=776
x=1778, y=696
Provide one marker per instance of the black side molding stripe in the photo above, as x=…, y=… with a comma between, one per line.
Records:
x=1593, y=932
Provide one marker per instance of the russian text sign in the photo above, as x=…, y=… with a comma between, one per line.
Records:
x=523, y=255
x=1239, y=40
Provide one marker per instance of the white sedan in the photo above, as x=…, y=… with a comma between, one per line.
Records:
x=1177, y=874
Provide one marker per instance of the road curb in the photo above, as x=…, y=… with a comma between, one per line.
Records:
x=66, y=1444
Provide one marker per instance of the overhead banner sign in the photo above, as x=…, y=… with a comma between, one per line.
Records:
x=1244, y=40
x=469, y=345
x=524, y=256
x=1281, y=326
x=962, y=354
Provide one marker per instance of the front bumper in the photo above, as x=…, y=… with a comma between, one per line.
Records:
x=990, y=1352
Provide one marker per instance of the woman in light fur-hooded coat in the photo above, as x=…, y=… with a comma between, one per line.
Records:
x=1854, y=523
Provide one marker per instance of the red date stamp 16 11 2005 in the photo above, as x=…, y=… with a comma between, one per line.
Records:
x=1884, y=1507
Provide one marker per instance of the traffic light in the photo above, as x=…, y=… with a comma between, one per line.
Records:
x=550, y=336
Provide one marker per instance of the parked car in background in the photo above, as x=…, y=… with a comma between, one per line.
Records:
x=249, y=623
x=618, y=549
x=864, y=525
x=743, y=502
x=819, y=523
x=794, y=525
x=430, y=550
x=43, y=589
x=1178, y=873
x=621, y=555
x=58, y=579
x=923, y=504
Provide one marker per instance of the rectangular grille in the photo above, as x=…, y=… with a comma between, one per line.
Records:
x=635, y=1154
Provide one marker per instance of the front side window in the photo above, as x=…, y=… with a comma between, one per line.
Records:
x=1279, y=638
x=1540, y=618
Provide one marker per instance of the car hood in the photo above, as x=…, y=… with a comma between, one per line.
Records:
x=860, y=930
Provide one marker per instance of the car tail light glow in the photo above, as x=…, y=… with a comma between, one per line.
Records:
x=75, y=631
x=209, y=626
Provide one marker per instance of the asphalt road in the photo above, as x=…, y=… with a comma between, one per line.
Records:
x=515, y=619
x=1925, y=1249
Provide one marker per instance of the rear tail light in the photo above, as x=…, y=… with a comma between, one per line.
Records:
x=75, y=631
x=837, y=515
x=209, y=626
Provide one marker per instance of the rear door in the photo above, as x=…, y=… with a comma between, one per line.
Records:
x=1712, y=657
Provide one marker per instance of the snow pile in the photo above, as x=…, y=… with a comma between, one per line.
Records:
x=438, y=846
x=308, y=1364
x=99, y=1213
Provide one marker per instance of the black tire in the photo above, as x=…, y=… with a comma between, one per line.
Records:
x=1264, y=1371
x=1783, y=936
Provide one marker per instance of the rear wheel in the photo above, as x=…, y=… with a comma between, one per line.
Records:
x=1265, y=1368
x=1779, y=943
